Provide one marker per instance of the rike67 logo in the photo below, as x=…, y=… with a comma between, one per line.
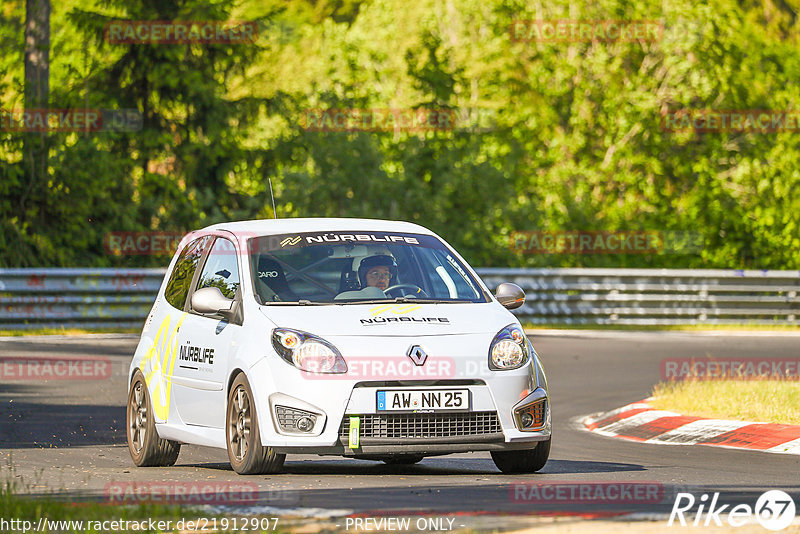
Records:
x=774, y=510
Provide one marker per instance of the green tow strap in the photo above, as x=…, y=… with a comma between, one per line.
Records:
x=355, y=429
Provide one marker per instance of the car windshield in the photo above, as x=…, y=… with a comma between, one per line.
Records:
x=357, y=267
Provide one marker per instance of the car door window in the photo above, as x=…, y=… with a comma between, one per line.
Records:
x=221, y=269
x=181, y=278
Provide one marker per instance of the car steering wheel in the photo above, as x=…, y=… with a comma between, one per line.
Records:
x=419, y=292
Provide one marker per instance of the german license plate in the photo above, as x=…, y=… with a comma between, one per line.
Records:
x=403, y=400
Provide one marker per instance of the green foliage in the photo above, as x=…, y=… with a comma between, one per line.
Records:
x=31, y=510
x=549, y=135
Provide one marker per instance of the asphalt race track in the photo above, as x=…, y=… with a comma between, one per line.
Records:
x=68, y=437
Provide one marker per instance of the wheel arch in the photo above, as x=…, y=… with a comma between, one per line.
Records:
x=231, y=377
x=133, y=372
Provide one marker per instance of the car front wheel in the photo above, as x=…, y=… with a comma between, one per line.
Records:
x=524, y=461
x=245, y=451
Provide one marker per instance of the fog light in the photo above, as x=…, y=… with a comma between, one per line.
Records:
x=527, y=419
x=531, y=416
x=294, y=421
x=304, y=424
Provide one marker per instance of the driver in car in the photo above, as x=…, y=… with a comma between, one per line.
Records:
x=377, y=271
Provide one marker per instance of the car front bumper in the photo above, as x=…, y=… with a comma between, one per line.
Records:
x=489, y=425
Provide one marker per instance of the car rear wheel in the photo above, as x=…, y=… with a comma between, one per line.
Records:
x=146, y=448
x=245, y=451
x=524, y=461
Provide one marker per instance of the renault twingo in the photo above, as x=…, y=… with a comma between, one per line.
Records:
x=361, y=338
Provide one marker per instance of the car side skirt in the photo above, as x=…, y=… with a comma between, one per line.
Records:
x=196, y=435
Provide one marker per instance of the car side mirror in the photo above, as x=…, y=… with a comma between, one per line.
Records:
x=511, y=296
x=211, y=300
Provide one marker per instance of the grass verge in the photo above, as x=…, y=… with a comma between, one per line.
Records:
x=762, y=401
x=48, y=515
x=75, y=518
x=51, y=513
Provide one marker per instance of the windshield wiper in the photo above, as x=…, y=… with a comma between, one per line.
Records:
x=373, y=301
x=402, y=300
x=301, y=302
x=412, y=300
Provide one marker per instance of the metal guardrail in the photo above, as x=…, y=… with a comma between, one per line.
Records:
x=654, y=296
x=76, y=298
x=121, y=298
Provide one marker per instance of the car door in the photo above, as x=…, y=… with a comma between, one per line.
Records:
x=160, y=334
x=204, y=342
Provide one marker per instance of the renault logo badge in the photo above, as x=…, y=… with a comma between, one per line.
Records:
x=417, y=355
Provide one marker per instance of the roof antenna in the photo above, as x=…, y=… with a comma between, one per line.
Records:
x=275, y=213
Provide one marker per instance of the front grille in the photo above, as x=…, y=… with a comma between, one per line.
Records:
x=421, y=426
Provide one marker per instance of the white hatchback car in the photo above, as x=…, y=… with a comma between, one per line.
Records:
x=361, y=338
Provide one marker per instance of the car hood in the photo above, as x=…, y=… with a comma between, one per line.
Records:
x=392, y=319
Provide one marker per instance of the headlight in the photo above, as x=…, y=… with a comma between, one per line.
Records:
x=509, y=349
x=307, y=352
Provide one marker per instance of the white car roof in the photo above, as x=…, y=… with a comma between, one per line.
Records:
x=321, y=224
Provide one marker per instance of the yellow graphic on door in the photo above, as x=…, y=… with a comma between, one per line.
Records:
x=158, y=363
x=398, y=309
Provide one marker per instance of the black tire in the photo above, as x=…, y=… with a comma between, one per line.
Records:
x=402, y=459
x=146, y=448
x=524, y=461
x=245, y=451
